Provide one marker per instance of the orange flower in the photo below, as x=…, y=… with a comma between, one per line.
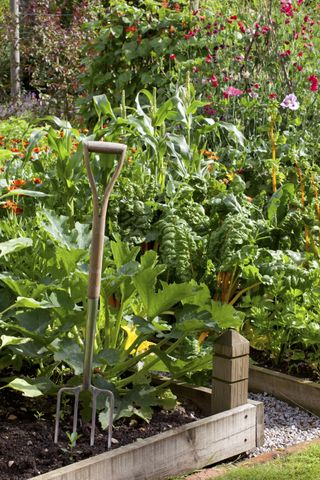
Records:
x=37, y=180
x=25, y=144
x=18, y=182
x=11, y=187
x=165, y=4
x=177, y=7
x=36, y=150
x=133, y=149
x=13, y=206
x=61, y=133
x=15, y=150
x=171, y=29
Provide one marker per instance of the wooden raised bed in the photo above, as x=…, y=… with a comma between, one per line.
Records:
x=224, y=434
x=296, y=391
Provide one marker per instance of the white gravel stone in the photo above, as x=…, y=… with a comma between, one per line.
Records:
x=284, y=425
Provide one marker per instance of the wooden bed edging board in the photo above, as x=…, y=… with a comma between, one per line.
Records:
x=297, y=391
x=173, y=452
x=202, y=398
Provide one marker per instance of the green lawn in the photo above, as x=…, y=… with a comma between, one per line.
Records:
x=300, y=466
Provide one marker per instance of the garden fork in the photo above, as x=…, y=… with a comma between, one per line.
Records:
x=96, y=257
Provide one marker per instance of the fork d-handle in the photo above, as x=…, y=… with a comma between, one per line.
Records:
x=97, y=244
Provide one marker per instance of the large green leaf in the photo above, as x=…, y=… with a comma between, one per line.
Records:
x=165, y=298
x=225, y=315
x=14, y=245
x=70, y=353
x=23, y=386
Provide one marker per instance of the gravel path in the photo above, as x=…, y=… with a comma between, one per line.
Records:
x=284, y=425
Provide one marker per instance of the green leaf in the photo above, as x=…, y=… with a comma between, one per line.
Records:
x=14, y=245
x=36, y=321
x=162, y=113
x=9, y=340
x=23, y=302
x=23, y=386
x=103, y=106
x=279, y=200
x=58, y=122
x=156, y=303
x=238, y=136
x=5, y=155
x=225, y=315
x=26, y=193
x=34, y=139
x=70, y=353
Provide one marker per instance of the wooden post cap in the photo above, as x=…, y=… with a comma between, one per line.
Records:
x=231, y=344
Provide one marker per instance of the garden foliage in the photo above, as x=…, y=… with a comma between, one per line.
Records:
x=214, y=222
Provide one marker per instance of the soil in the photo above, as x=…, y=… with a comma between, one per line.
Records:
x=297, y=368
x=27, y=425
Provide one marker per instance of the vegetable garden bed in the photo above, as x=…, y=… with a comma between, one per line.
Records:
x=180, y=450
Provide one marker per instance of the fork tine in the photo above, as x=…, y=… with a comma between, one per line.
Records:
x=76, y=390
x=95, y=393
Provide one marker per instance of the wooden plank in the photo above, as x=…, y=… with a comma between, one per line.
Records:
x=177, y=451
x=296, y=391
x=259, y=422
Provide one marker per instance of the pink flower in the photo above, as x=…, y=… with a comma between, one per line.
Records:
x=232, y=92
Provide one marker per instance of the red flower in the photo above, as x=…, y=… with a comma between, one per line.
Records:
x=214, y=81
x=241, y=26
x=172, y=56
x=272, y=96
x=132, y=28
x=286, y=53
x=314, y=83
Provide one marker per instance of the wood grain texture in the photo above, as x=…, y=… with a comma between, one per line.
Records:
x=296, y=391
x=178, y=451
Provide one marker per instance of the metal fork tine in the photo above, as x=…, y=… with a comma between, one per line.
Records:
x=76, y=390
x=95, y=393
x=75, y=410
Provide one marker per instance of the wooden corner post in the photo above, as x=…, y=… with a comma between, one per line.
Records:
x=230, y=371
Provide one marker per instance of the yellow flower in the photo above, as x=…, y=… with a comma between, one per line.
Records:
x=131, y=338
